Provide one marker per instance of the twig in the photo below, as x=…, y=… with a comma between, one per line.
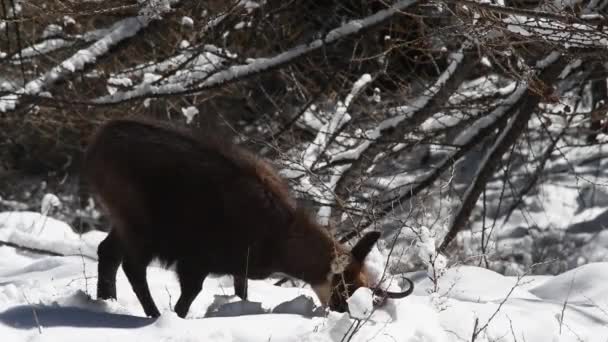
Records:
x=169, y=295
x=475, y=333
x=525, y=106
x=18, y=34
x=34, y=313
x=561, y=317
x=40, y=251
x=30, y=249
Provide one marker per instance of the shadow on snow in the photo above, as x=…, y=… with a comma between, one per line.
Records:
x=22, y=317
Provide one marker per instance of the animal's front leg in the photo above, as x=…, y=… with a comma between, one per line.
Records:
x=110, y=257
x=136, y=273
x=191, y=283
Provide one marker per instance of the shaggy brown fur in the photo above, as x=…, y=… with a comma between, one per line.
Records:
x=206, y=206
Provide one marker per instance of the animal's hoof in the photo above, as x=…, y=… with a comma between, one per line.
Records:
x=106, y=291
x=153, y=314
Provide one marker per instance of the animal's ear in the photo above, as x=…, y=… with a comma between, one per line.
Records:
x=364, y=246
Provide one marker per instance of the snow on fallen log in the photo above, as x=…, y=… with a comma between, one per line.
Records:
x=259, y=65
x=124, y=29
x=34, y=231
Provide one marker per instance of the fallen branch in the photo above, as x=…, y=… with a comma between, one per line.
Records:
x=41, y=251
x=30, y=249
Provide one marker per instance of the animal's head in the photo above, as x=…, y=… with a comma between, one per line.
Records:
x=348, y=273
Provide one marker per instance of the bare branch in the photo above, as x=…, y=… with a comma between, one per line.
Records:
x=550, y=67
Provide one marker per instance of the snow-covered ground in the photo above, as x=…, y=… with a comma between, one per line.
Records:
x=52, y=298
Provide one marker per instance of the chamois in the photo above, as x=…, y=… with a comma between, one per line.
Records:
x=207, y=206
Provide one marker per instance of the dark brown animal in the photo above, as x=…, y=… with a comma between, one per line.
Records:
x=209, y=207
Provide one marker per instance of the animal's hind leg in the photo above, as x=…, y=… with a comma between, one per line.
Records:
x=240, y=286
x=191, y=279
x=135, y=270
x=110, y=256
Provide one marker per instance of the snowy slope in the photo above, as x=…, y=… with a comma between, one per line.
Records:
x=51, y=298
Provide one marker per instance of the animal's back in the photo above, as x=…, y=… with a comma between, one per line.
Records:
x=176, y=195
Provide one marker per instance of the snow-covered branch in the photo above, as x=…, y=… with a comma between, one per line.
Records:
x=402, y=113
x=182, y=68
x=402, y=117
x=587, y=19
x=260, y=65
x=549, y=22
x=320, y=144
x=51, y=42
x=567, y=35
x=338, y=120
x=122, y=30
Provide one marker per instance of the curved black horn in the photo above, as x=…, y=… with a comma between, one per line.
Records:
x=395, y=295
